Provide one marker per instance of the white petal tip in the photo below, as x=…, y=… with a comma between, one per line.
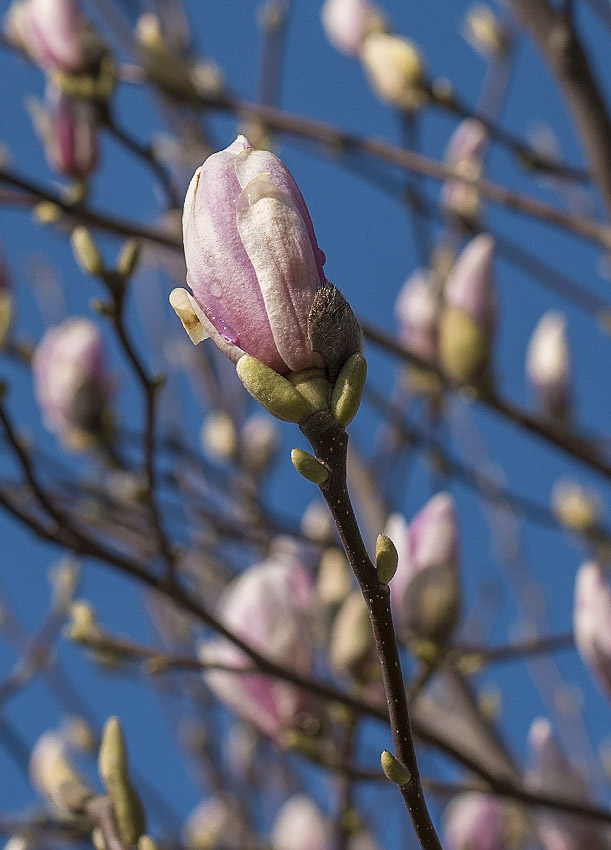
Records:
x=182, y=304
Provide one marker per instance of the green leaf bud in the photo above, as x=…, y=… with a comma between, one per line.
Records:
x=348, y=389
x=86, y=252
x=464, y=346
x=128, y=258
x=386, y=558
x=273, y=392
x=113, y=770
x=307, y=465
x=394, y=770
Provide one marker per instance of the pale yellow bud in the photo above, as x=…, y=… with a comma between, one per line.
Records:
x=395, y=70
x=219, y=437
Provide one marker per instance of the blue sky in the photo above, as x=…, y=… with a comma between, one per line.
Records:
x=368, y=242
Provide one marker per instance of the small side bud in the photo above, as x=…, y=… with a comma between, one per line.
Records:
x=348, y=389
x=273, y=392
x=387, y=558
x=82, y=626
x=182, y=304
x=394, y=770
x=46, y=212
x=86, y=252
x=128, y=259
x=113, y=770
x=307, y=465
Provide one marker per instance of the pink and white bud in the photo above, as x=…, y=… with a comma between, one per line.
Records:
x=67, y=130
x=212, y=825
x=468, y=317
x=552, y=773
x=417, y=312
x=71, y=384
x=474, y=822
x=348, y=22
x=548, y=365
x=300, y=825
x=424, y=590
x=470, y=286
x=253, y=262
x=465, y=153
x=269, y=606
x=592, y=621
x=50, y=32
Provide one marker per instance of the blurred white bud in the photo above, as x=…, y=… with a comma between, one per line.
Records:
x=218, y=436
x=300, y=825
x=483, y=31
x=348, y=22
x=576, y=507
x=395, y=70
x=548, y=365
x=260, y=441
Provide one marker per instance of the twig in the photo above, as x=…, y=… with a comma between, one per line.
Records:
x=558, y=42
x=549, y=431
x=330, y=443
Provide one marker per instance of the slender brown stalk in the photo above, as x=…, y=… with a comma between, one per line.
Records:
x=330, y=442
x=557, y=39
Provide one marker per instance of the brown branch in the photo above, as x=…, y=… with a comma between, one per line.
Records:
x=330, y=443
x=560, y=45
x=512, y=651
x=553, y=433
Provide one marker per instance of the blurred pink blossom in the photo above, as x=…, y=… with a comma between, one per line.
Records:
x=470, y=285
x=474, y=821
x=269, y=606
x=300, y=825
x=465, y=154
x=417, y=312
x=347, y=23
x=67, y=129
x=548, y=364
x=552, y=773
x=592, y=621
x=71, y=384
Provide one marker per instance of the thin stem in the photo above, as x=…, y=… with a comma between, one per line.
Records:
x=520, y=649
x=553, y=433
x=150, y=390
x=146, y=154
x=330, y=442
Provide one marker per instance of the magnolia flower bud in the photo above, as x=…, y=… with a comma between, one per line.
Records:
x=395, y=70
x=425, y=594
x=52, y=774
x=468, y=317
x=114, y=772
x=551, y=773
x=70, y=382
x=66, y=128
x=483, y=31
x=348, y=22
x=253, y=262
x=548, y=365
x=465, y=154
x=212, y=826
x=300, y=825
x=54, y=34
x=474, y=822
x=417, y=312
x=269, y=606
x=592, y=621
